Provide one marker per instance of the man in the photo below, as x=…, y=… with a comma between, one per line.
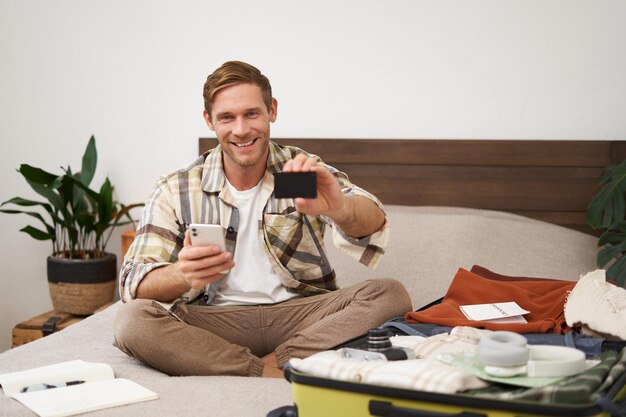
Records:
x=278, y=299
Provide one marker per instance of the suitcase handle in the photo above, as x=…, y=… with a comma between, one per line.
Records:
x=387, y=409
x=285, y=411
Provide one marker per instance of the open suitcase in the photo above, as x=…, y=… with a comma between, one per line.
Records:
x=318, y=397
x=322, y=397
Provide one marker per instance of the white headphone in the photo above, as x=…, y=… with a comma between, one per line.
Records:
x=508, y=354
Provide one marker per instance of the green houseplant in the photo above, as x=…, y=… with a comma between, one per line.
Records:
x=79, y=221
x=607, y=212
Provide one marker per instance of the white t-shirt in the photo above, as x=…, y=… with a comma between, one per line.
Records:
x=252, y=280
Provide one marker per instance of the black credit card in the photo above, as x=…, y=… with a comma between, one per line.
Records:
x=295, y=184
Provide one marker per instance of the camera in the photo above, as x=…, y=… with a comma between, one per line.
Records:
x=378, y=348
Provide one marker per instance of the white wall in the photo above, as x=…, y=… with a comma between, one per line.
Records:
x=131, y=73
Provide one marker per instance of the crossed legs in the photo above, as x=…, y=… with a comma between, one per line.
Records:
x=253, y=340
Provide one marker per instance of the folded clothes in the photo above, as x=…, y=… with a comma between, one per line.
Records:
x=544, y=298
x=592, y=345
x=417, y=374
x=461, y=340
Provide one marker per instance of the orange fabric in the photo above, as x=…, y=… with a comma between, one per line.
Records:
x=543, y=298
x=486, y=273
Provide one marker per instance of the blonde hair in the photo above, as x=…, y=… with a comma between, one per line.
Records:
x=231, y=73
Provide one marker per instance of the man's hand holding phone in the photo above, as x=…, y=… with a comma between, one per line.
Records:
x=203, y=258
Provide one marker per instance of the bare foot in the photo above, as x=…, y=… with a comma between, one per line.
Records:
x=271, y=372
x=270, y=368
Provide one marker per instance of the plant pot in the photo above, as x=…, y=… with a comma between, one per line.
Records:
x=81, y=286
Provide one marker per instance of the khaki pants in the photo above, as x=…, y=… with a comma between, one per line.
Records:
x=231, y=340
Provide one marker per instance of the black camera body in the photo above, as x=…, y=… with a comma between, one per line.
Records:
x=378, y=348
x=378, y=341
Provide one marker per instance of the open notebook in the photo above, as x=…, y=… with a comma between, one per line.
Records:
x=73, y=387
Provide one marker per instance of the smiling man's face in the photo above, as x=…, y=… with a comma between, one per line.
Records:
x=241, y=122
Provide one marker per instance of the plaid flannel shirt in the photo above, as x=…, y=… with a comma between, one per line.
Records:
x=293, y=242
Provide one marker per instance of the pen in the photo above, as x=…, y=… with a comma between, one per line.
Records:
x=39, y=387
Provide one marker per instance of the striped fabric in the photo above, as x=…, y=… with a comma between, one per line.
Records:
x=584, y=388
x=292, y=241
x=414, y=374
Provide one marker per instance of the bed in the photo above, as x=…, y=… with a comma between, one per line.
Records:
x=515, y=207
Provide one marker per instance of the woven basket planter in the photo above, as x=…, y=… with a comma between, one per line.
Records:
x=81, y=286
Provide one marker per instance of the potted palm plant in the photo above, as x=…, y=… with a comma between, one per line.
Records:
x=607, y=212
x=79, y=221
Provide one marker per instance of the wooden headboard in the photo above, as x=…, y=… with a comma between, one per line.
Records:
x=549, y=180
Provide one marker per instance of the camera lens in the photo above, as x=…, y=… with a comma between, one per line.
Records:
x=378, y=340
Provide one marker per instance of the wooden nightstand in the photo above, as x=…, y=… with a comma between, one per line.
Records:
x=44, y=324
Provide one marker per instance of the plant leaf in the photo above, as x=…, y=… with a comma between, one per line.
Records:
x=125, y=211
x=37, y=234
x=36, y=215
x=37, y=175
x=43, y=183
x=26, y=203
x=607, y=206
x=106, y=205
x=617, y=272
x=616, y=234
x=90, y=160
x=66, y=191
x=606, y=254
x=79, y=216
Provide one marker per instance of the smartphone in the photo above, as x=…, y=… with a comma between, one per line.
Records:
x=208, y=235
x=295, y=184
